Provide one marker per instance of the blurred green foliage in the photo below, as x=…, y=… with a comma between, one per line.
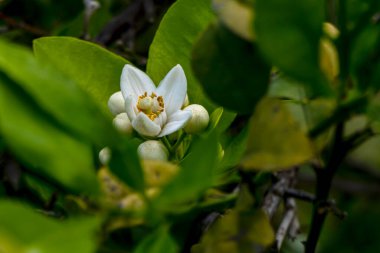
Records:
x=275, y=83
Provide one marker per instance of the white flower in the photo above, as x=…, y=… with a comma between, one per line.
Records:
x=155, y=112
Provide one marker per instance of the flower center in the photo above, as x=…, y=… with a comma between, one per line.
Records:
x=151, y=105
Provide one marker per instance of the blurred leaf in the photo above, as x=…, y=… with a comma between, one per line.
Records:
x=237, y=232
x=275, y=140
x=33, y=137
x=22, y=230
x=96, y=70
x=126, y=165
x=157, y=242
x=284, y=87
x=294, y=245
x=173, y=43
x=230, y=69
x=55, y=93
x=234, y=150
x=290, y=39
x=238, y=17
x=195, y=174
x=365, y=57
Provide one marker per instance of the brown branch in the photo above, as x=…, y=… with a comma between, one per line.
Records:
x=11, y=22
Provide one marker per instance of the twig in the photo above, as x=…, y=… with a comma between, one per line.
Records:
x=121, y=23
x=294, y=228
x=90, y=7
x=274, y=196
x=286, y=222
x=23, y=26
x=299, y=194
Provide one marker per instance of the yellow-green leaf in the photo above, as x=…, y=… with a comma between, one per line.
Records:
x=275, y=140
x=237, y=232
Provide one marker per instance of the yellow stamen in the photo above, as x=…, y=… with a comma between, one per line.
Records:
x=152, y=105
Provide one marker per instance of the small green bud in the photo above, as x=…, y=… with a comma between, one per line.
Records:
x=199, y=119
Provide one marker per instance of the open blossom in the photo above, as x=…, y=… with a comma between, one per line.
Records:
x=155, y=112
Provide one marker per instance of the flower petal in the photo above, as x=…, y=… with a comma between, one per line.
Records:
x=161, y=119
x=173, y=88
x=135, y=82
x=144, y=126
x=130, y=107
x=175, y=122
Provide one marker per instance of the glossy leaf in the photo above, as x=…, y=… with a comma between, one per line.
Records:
x=231, y=71
x=23, y=230
x=38, y=142
x=96, y=70
x=174, y=40
x=289, y=39
x=275, y=140
x=58, y=95
x=195, y=174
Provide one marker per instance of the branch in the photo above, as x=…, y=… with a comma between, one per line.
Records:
x=23, y=26
x=274, y=196
x=286, y=223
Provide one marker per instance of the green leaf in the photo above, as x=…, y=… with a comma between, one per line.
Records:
x=365, y=57
x=126, y=165
x=275, y=140
x=58, y=95
x=195, y=175
x=230, y=69
x=173, y=43
x=23, y=230
x=157, y=242
x=290, y=40
x=238, y=232
x=220, y=120
x=96, y=70
x=37, y=141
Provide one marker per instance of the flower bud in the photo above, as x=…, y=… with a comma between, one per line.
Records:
x=105, y=155
x=116, y=103
x=199, y=119
x=122, y=123
x=330, y=30
x=329, y=59
x=153, y=150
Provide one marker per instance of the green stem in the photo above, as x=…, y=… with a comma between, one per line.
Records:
x=339, y=150
x=167, y=143
x=179, y=141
